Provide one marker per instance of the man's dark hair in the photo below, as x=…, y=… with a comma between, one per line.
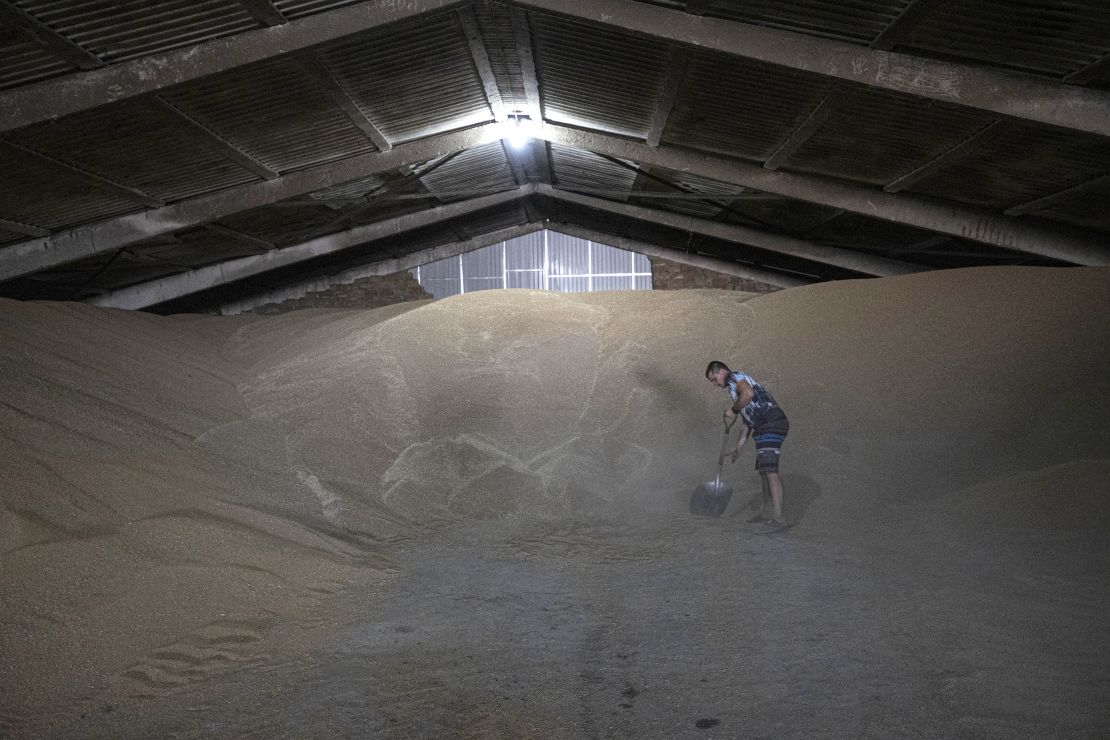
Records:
x=714, y=367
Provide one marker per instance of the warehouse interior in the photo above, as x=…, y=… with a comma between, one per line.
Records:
x=411, y=505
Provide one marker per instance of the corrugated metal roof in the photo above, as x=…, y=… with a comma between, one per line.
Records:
x=22, y=61
x=418, y=78
x=575, y=168
x=413, y=79
x=34, y=192
x=491, y=219
x=1052, y=39
x=1021, y=164
x=299, y=8
x=858, y=21
x=280, y=225
x=740, y=107
x=10, y=237
x=481, y=168
x=592, y=75
x=1090, y=208
x=668, y=181
x=276, y=112
x=792, y=216
x=875, y=137
x=115, y=31
x=359, y=188
x=139, y=146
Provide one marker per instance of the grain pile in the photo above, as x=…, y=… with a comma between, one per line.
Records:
x=183, y=494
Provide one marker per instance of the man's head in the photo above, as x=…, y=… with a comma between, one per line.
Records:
x=717, y=373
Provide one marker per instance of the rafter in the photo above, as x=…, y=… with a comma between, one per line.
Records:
x=385, y=266
x=668, y=94
x=770, y=241
x=65, y=246
x=81, y=91
x=160, y=291
x=962, y=221
x=1019, y=96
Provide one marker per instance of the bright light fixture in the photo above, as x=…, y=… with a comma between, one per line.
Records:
x=517, y=137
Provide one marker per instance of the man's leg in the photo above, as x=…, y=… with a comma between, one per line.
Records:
x=773, y=482
x=765, y=510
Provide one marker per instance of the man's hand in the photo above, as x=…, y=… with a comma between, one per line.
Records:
x=729, y=414
x=735, y=455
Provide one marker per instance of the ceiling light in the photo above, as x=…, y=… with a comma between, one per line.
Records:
x=517, y=137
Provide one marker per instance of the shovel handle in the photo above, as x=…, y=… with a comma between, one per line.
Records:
x=729, y=424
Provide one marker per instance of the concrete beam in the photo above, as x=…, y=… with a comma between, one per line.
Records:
x=82, y=91
x=381, y=267
x=766, y=240
x=522, y=33
x=1019, y=96
x=1067, y=245
x=677, y=255
x=480, y=57
x=84, y=241
x=668, y=94
x=202, y=278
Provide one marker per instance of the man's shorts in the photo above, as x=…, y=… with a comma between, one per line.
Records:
x=770, y=433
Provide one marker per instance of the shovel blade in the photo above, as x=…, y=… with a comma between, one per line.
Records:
x=710, y=499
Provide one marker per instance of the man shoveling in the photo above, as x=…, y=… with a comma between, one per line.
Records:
x=763, y=420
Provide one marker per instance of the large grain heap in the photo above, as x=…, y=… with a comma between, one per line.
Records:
x=187, y=496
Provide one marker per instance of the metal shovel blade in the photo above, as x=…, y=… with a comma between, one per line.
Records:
x=710, y=499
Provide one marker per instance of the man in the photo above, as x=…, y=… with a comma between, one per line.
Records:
x=764, y=420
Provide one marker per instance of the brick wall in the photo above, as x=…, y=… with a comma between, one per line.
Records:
x=369, y=292
x=667, y=275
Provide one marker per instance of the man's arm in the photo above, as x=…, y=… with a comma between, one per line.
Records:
x=745, y=432
x=744, y=395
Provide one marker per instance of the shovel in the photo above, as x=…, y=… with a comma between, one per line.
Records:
x=711, y=499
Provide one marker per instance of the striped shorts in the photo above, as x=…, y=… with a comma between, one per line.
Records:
x=769, y=435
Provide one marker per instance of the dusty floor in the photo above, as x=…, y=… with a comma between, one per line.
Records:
x=689, y=628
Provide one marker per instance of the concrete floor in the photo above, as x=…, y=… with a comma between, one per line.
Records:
x=689, y=628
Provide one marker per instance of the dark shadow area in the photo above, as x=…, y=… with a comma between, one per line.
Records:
x=799, y=493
